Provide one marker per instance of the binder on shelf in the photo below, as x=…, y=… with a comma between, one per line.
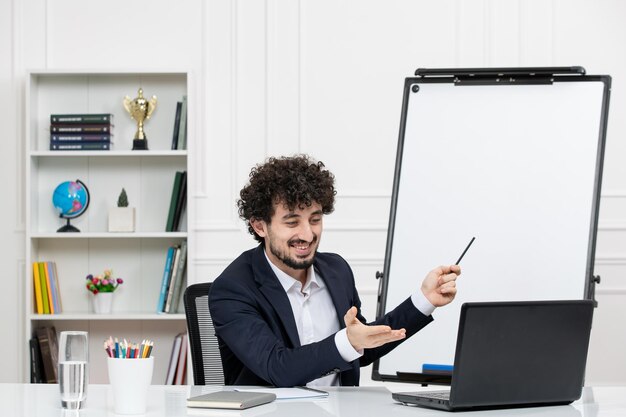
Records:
x=169, y=227
x=181, y=200
x=47, y=338
x=44, y=288
x=176, y=125
x=36, y=363
x=167, y=272
x=182, y=362
x=180, y=278
x=182, y=131
x=54, y=284
x=171, y=286
x=37, y=289
x=171, y=369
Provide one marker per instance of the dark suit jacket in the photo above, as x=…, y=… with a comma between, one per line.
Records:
x=257, y=333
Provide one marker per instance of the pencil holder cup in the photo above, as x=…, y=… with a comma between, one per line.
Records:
x=130, y=379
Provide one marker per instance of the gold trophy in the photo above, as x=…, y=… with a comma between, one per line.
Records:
x=140, y=110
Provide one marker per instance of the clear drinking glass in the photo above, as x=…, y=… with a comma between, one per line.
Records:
x=73, y=376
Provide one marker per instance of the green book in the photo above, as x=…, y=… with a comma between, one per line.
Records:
x=169, y=227
x=44, y=287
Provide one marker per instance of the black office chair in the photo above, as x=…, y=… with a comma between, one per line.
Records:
x=205, y=354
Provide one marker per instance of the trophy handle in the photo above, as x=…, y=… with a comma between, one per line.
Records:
x=127, y=101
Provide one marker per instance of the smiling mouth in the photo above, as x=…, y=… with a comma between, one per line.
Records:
x=303, y=249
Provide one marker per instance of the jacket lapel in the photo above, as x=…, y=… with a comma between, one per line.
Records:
x=335, y=289
x=274, y=292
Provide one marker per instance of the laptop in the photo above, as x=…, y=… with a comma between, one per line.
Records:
x=515, y=354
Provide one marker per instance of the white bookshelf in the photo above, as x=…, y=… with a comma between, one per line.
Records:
x=147, y=177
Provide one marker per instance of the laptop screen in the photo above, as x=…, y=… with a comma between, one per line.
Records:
x=521, y=352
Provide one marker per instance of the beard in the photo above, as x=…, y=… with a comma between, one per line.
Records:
x=293, y=262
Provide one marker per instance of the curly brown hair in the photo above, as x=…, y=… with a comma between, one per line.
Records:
x=295, y=181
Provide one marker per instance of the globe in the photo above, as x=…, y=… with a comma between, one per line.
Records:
x=70, y=199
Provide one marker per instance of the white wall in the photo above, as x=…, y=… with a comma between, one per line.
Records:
x=318, y=76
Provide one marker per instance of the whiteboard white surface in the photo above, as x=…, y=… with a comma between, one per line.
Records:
x=514, y=166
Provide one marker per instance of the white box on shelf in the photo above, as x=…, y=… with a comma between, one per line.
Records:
x=122, y=219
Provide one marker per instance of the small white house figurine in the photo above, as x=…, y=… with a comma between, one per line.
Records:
x=122, y=217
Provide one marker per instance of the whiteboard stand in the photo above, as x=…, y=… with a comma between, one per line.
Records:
x=513, y=156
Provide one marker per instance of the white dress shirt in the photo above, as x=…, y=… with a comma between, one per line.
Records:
x=316, y=317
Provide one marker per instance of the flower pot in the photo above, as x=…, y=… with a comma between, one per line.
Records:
x=102, y=302
x=122, y=219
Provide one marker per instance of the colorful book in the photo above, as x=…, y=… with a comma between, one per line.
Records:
x=56, y=285
x=44, y=266
x=53, y=287
x=82, y=146
x=182, y=131
x=44, y=288
x=180, y=277
x=81, y=137
x=80, y=129
x=176, y=125
x=102, y=118
x=181, y=199
x=167, y=272
x=169, y=227
x=37, y=288
x=172, y=284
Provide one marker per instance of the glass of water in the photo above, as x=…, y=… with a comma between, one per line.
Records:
x=73, y=378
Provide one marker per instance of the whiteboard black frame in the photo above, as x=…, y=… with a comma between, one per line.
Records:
x=491, y=76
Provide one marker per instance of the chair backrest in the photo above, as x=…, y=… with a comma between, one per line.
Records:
x=205, y=354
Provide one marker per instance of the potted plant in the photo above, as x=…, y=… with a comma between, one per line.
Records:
x=122, y=217
x=102, y=288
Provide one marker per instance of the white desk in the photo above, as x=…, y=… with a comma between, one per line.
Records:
x=43, y=400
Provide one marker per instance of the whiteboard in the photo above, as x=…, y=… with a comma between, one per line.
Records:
x=516, y=166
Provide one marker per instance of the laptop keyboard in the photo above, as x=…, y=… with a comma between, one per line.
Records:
x=437, y=395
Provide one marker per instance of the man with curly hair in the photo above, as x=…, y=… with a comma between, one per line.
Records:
x=277, y=308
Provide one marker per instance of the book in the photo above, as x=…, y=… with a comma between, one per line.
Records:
x=182, y=131
x=170, y=287
x=54, y=287
x=46, y=336
x=237, y=400
x=37, y=289
x=179, y=104
x=180, y=277
x=167, y=272
x=181, y=200
x=182, y=362
x=44, y=267
x=81, y=137
x=80, y=129
x=102, y=118
x=36, y=363
x=44, y=288
x=171, y=369
x=55, y=280
x=169, y=226
x=82, y=146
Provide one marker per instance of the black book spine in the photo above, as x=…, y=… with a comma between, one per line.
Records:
x=180, y=202
x=179, y=105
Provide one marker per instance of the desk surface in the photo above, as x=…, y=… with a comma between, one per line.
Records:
x=43, y=400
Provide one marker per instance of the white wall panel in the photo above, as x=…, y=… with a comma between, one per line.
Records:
x=135, y=34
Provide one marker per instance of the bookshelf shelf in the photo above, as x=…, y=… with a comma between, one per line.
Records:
x=137, y=257
x=108, y=154
x=107, y=235
x=106, y=317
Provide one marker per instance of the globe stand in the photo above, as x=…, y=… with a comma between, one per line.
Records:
x=68, y=228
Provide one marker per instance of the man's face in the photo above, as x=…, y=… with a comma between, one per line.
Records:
x=292, y=237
